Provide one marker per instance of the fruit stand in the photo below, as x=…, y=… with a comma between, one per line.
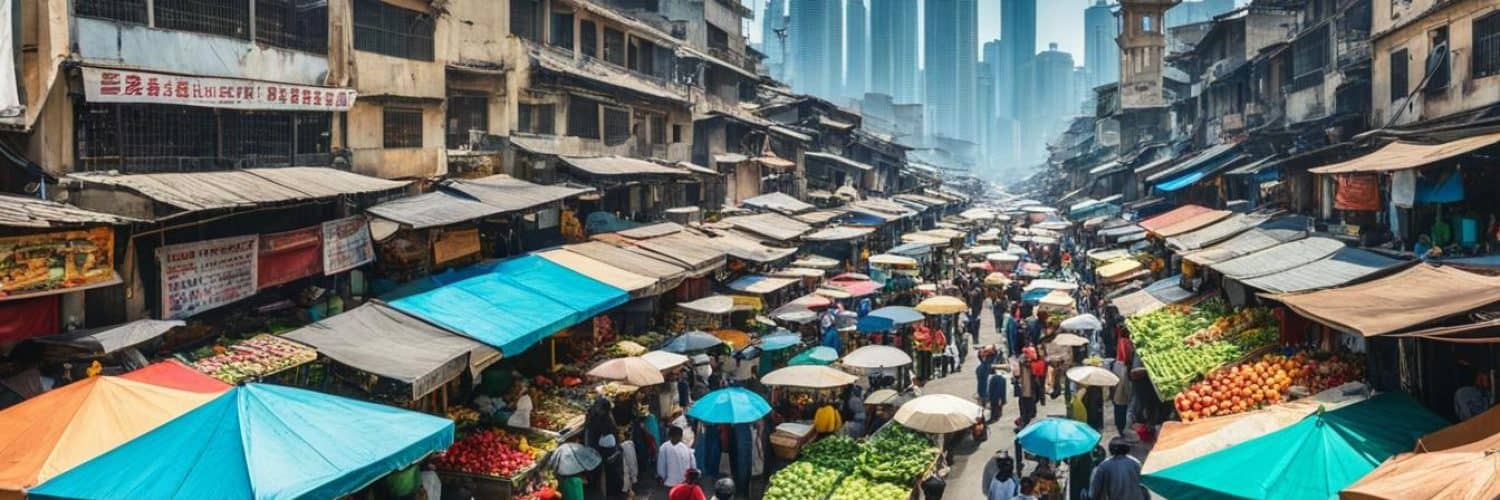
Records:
x=493, y=462
x=1178, y=344
x=889, y=465
x=260, y=356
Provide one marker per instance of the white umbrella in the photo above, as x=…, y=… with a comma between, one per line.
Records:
x=1066, y=286
x=1082, y=322
x=892, y=260
x=808, y=376
x=573, y=458
x=1069, y=340
x=631, y=370
x=938, y=414
x=716, y=304
x=876, y=356
x=881, y=397
x=1092, y=375
x=664, y=360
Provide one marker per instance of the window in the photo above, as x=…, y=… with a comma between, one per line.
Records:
x=1438, y=60
x=583, y=117
x=562, y=29
x=314, y=135
x=1310, y=56
x=616, y=126
x=526, y=19
x=1487, y=45
x=402, y=127
x=387, y=29
x=259, y=135
x=292, y=24
x=465, y=113
x=657, y=125
x=717, y=38
x=588, y=38
x=131, y=11
x=536, y=119
x=642, y=56
x=215, y=17
x=1399, y=62
x=1146, y=25
x=676, y=134
x=614, y=46
x=158, y=138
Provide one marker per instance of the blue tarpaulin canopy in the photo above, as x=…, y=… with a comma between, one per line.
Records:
x=1447, y=188
x=263, y=442
x=899, y=315
x=1181, y=182
x=512, y=304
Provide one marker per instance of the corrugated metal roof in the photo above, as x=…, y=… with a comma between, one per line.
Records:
x=1278, y=258
x=618, y=165
x=1121, y=230
x=779, y=202
x=510, y=194
x=748, y=248
x=193, y=191
x=839, y=233
x=818, y=217
x=790, y=133
x=690, y=249
x=840, y=160
x=925, y=200
x=651, y=230
x=25, y=211
x=1343, y=267
x=1208, y=155
x=438, y=208
x=1268, y=234
x=634, y=262
x=887, y=206
x=1216, y=232
x=760, y=284
x=1173, y=216
x=774, y=226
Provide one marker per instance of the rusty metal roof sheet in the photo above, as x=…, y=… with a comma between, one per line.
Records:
x=619, y=165
x=511, y=194
x=25, y=211
x=194, y=191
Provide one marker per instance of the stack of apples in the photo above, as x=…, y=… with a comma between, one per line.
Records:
x=1238, y=388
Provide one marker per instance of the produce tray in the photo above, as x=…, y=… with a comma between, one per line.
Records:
x=572, y=428
x=486, y=486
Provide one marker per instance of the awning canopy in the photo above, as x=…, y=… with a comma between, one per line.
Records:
x=1419, y=295
x=112, y=339
x=1266, y=235
x=839, y=233
x=778, y=202
x=1279, y=258
x=1173, y=216
x=1406, y=155
x=515, y=303
x=1192, y=223
x=510, y=194
x=774, y=226
x=25, y=211
x=749, y=249
x=1201, y=164
x=637, y=285
x=1345, y=266
x=438, y=208
x=612, y=166
x=259, y=441
x=195, y=191
x=668, y=273
x=1216, y=232
x=839, y=160
x=761, y=284
x=374, y=338
x=1155, y=296
x=691, y=249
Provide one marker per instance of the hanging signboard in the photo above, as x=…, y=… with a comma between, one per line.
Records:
x=131, y=86
x=199, y=276
x=288, y=256
x=46, y=263
x=346, y=244
x=455, y=244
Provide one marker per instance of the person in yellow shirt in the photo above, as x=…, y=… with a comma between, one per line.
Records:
x=827, y=419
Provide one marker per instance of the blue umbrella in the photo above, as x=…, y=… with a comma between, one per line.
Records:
x=779, y=341
x=692, y=341
x=899, y=315
x=730, y=405
x=1058, y=438
x=1034, y=295
x=820, y=355
x=873, y=323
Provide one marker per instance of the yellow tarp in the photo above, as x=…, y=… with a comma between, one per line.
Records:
x=60, y=429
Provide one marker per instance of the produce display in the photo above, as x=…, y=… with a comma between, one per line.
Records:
x=802, y=481
x=1269, y=380
x=836, y=452
x=1173, y=370
x=858, y=488
x=1232, y=326
x=895, y=455
x=554, y=413
x=1179, y=344
x=259, y=356
x=489, y=452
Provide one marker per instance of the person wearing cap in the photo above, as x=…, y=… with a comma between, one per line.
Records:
x=1119, y=477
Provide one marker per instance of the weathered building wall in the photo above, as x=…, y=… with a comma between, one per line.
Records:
x=1407, y=26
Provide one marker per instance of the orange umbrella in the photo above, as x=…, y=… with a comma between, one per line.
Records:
x=735, y=338
x=62, y=428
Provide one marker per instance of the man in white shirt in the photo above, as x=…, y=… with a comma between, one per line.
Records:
x=674, y=459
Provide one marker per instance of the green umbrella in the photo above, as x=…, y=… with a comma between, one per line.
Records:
x=820, y=355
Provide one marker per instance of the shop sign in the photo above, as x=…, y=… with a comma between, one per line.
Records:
x=144, y=87
x=747, y=302
x=45, y=263
x=455, y=244
x=289, y=256
x=196, y=277
x=347, y=244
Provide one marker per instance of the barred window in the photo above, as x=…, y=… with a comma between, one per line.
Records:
x=292, y=24
x=643, y=56
x=266, y=137
x=387, y=29
x=614, y=46
x=588, y=38
x=314, y=136
x=562, y=29
x=1309, y=58
x=658, y=125
x=1399, y=84
x=583, y=117
x=536, y=119
x=526, y=19
x=130, y=11
x=215, y=17
x=1487, y=45
x=466, y=113
x=616, y=126
x=402, y=127
x=166, y=138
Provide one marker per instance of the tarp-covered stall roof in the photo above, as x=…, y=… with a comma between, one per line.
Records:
x=651, y=230
x=515, y=303
x=1174, y=216
x=438, y=208
x=25, y=211
x=510, y=194
x=1345, y=266
x=761, y=284
x=839, y=233
x=1216, y=232
x=377, y=339
x=112, y=339
x=195, y=191
x=610, y=166
x=691, y=249
x=1405, y=155
x=637, y=285
x=778, y=202
x=750, y=249
x=1279, y=258
x=1155, y=296
x=774, y=226
x=1191, y=223
x=1267, y=235
x=1413, y=297
x=820, y=217
x=635, y=262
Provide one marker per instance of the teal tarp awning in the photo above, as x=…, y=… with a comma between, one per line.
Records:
x=259, y=441
x=1312, y=459
x=512, y=304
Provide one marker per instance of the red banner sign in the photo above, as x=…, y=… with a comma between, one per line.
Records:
x=131, y=86
x=1357, y=192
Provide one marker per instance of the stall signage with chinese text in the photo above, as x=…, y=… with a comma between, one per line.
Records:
x=199, y=276
x=130, y=86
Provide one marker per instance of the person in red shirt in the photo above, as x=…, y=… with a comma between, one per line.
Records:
x=688, y=489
